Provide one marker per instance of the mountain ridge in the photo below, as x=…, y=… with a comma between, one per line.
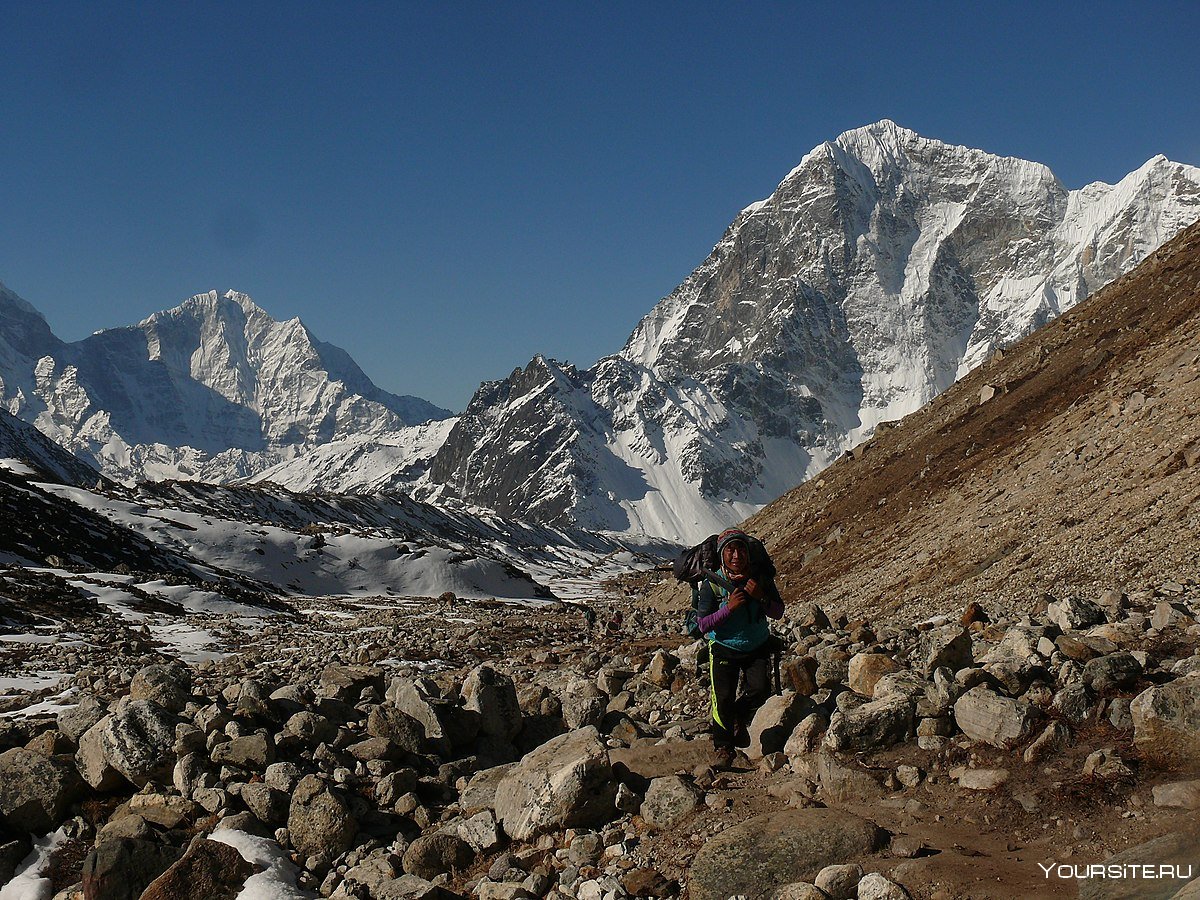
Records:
x=883, y=268
x=213, y=388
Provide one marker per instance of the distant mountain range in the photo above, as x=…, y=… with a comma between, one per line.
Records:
x=214, y=389
x=883, y=268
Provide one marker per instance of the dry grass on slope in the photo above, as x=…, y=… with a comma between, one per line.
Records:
x=1079, y=475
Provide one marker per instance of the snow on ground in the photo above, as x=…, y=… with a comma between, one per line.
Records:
x=10, y=686
x=189, y=643
x=277, y=881
x=28, y=883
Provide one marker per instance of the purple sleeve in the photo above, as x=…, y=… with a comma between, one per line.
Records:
x=709, y=622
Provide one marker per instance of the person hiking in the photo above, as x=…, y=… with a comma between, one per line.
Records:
x=732, y=611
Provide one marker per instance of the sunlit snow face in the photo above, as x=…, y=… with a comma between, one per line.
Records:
x=735, y=557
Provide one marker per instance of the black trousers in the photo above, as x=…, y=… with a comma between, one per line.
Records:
x=731, y=714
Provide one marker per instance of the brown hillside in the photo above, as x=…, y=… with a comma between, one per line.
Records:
x=1079, y=475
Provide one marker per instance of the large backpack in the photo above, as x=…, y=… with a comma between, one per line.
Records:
x=700, y=563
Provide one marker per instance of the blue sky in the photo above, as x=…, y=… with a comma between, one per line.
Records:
x=446, y=189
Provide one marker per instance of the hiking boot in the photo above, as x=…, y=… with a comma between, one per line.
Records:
x=741, y=737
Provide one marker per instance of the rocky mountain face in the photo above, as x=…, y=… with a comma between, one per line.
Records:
x=1065, y=466
x=214, y=389
x=882, y=269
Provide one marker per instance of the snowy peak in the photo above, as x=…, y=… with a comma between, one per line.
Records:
x=213, y=388
x=883, y=268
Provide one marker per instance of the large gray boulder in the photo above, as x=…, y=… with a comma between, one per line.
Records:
x=770, y=851
x=136, y=741
x=493, y=695
x=583, y=704
x=446, y=725
x=74, y=722
x=948, y=645
x=983, y=715
x=670, y=799
x=1166, y=723
x=775, y=721
x=35, y=790
x=170, y=686
x=565, y=783
x=1075, y=613
x=399, y=728
x=880, y=723
x=1111, y=673
x=122, y=868
x=433, y=854
x=319, y=821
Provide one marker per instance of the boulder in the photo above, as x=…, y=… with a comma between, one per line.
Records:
x=867, y=668
x=845, y=782
x=567, y=782
x=1077, y=704
x=840, y=882
x=445, y=724
x=669, y=800
x=122, y=868
x=347, y=683
x=1178, y=794
x=74, y=722
x=493, y=695
x=833, y=665
x=806, y=737
x=583, y=704
x=774, y=722
x=36, y=790
x=269, y=805
x=1054, y=738
x=166, y=810
x=1169, y=614
x=946, y=645
x=387, y=722
x=481, y=832
x=983, y=715
x=209, y=870
x=799, y=673
x=480, y=791
x=874, y=725
x=433, y=854
x=904, y=683
x=877, y=887
x=309, y=728
x=253, y=751
x=137, y=741
x=661, y=670
x=799, y=890
x=319, y=820
x=1111, y=673
x=1166, y=723
x=1021, y=642
x=1075, y=614
x=776, y=849
x=170, y=686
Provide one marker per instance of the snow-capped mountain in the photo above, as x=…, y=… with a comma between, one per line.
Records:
x=213, y=389
x=884, y=267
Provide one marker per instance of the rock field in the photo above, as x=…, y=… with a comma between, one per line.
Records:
x=451, y=748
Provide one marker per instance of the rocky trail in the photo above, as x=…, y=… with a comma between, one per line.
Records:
x=439, y=748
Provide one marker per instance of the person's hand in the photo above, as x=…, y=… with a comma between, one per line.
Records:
x=754, y=589
x=737, y=598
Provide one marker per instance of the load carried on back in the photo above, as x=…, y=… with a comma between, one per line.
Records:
x=733, y=595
